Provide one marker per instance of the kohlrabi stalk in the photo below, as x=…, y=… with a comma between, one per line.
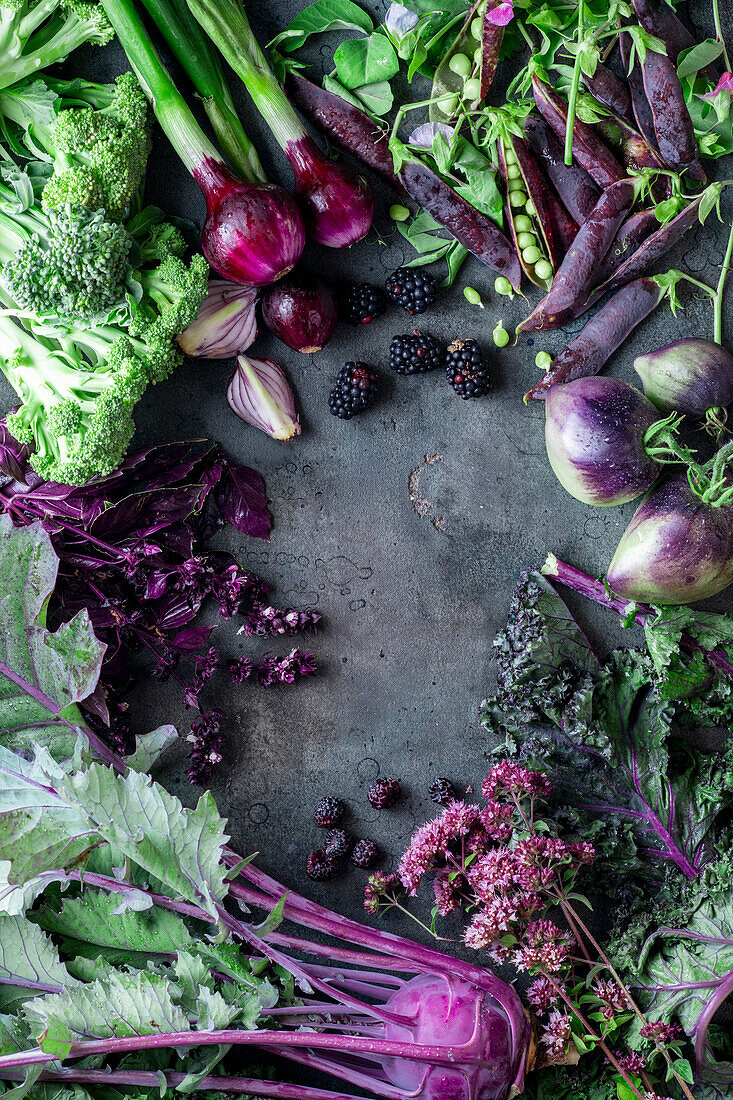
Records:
x=338, y=203
x=253, y=232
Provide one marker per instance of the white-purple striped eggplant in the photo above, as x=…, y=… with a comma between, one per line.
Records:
x=692, y=376
x=678, y=548
x=595, y=431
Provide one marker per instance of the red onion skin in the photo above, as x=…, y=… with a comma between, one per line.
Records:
x=337, y=202
x=254, y=232
x=676, y=549
x=301, y=311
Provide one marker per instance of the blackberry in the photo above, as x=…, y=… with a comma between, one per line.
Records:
x=467, y=370
x=384, y=792
x=413, y=354
x=320, y=866
x=329, y=812
x=412, y=289
x=360, y=303
x=365, y=853
x=338, y=843
x=355, y=388
x=441, y=791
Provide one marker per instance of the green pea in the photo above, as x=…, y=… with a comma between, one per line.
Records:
x=399, y=213
x=517, y=198
x=472, y=296
x=509, y=155
x=531, y=255
x=503, y=286
x=543, y=269
x=501, y=336
x=543, y=360
x=523, y=224
x=526, y=240
x=531, y=208
x=477, y=28
x=515, y=184
x=460, y=64
x=449, y=104
x=472, y=88
x=513, y=172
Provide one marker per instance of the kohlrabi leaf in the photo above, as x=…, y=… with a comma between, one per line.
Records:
x=29, y=962
x=43, y=675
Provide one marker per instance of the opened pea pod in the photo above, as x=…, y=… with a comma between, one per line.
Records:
x=466, y=72
x=526, y=210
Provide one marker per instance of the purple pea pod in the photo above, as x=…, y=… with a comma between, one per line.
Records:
x=633, y=149
x=658, y=18
x=672, y=123
x=576, y=189
x=474, y=230
x=526, y=211
x=589, y=351
x=466, y=71
x=692, y=376
x=588, y=149
x=594, y=432
x=345, y=124
x=642, y=110
x=654, y=247
x=677, y=548
x=574, y=279
x=564, y=229
x=631, y=234
x=612, y=92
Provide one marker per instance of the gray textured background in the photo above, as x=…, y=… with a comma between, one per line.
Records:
x=412, y=591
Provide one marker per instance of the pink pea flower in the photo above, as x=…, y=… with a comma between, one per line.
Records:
x=725, y=84
x=501, y=15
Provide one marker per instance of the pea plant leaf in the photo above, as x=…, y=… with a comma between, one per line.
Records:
x=365, y=61
x=324, y=15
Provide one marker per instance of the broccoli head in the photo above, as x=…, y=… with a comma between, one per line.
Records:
x=100, y=153
x=76, y=265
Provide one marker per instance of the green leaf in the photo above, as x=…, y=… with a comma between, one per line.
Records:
x=55, y=1039
x=29, y=962
x=377, y=98
x=324, y=15
x=332, y=85
x=365, y=61
x=43, y=675
x=710, y=201
x=150, y=747
x=698, y=57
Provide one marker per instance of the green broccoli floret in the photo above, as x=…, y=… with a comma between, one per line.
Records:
x=34, y=35
x=75, y=265
x=174, y=291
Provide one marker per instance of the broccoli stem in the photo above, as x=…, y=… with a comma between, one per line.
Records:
x=201, y=63
x=227, y=26
x=33, y=46
x=171, y=110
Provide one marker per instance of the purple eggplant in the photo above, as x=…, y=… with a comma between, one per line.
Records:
x=594, y=433
x=301, y=311
x=588, y=352
x=345, y=124
x=676, y=549
x=673, y=127
x=474, y=230
x=588, y=149
x=526, y=211
x=692, y=376
x=466, y=72
x=573, y=281
x=630, y=236
x=612, y=92
x=576, y=189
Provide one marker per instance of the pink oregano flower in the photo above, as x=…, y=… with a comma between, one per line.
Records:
x=725, y=84
x=501, y=15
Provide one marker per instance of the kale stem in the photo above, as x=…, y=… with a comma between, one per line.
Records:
x=719, y=34
x=720, y=289
x=574, y=87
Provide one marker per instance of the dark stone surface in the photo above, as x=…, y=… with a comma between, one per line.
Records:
x=405, y=527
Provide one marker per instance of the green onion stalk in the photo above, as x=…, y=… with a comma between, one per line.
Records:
x=253, y=233
x=338, y=203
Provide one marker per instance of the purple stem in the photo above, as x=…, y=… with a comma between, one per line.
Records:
x=725, y=990
x=347, y=1072
x=343, y=954
x=145, y=1079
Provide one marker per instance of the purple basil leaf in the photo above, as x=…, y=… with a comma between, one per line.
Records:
x=144, y=513
x=192, y=638
x=242, y=499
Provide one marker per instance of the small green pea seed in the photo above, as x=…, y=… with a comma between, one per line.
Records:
x=543, y=360
x=503, y=286
x=477, y=27
x=472, y=296
x=399, y=213
x=523, y=224
x=509, y=155
x=472, y=88
x=449, y=104
x=543, y=269
x=513, y=172
x=501, y=336
x=516, y=184
x=460, y=64
x=531, y=255
x=526, y=240
x=531, y=208
x=517, y=198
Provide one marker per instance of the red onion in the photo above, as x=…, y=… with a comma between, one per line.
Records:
x=259, y=393
x=301, y=311
x=226, y=324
